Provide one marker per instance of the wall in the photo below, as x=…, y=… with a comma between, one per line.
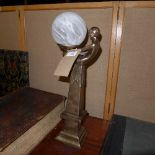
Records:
x=136, y=84
x=9, y=30
x=45, y=55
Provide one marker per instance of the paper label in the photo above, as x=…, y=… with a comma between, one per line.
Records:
x=65, y=65
x=71, y=54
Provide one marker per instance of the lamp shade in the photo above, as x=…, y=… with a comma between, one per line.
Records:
x=69, y=29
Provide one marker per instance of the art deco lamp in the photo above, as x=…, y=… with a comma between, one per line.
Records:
x=69, y=31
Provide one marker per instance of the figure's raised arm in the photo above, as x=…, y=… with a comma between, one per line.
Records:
x=90, y=51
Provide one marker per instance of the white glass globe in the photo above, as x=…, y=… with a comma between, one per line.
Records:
x=69, y=29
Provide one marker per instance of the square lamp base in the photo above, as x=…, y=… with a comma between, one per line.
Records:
x=71, y=139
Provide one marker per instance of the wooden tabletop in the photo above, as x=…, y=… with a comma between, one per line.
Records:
x=20, y=110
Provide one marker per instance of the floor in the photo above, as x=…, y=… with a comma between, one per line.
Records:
x=96, y=131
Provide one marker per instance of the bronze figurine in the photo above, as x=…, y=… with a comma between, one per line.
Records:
x=73, y=132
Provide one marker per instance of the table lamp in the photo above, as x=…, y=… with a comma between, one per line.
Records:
x=69, y=31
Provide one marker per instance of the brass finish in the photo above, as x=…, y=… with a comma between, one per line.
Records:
x=73, y=132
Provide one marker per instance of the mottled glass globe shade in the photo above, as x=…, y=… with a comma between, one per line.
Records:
x=69, y=29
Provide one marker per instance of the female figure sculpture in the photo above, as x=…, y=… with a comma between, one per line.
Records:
x=73, y=133
x=69, y=30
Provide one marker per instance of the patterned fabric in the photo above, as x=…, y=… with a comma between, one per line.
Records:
x=14, y=70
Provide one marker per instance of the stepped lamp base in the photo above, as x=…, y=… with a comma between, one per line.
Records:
x=71, y=139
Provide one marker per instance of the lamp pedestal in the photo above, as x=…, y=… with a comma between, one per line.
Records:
x=73, y=132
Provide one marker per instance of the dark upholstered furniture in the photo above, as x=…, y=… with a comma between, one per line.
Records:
x=128, y=136
x=14, y=70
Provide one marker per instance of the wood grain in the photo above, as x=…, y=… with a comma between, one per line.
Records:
x=22, y=109
x=111, y=61
x=117, y=56
x=114, y=60
x=62, y=6
x=21, y=28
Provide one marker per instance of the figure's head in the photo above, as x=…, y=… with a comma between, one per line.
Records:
x=94, y=33
x=69, y=29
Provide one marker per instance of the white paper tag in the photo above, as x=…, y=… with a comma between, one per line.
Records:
x=71, y=54
x=65, y=65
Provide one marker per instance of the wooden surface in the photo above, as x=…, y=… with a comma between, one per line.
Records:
x=96, y=130
x=62, y=6
x=116, y=61
x=107, y=104
x=21, y=29
x=20, y=110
